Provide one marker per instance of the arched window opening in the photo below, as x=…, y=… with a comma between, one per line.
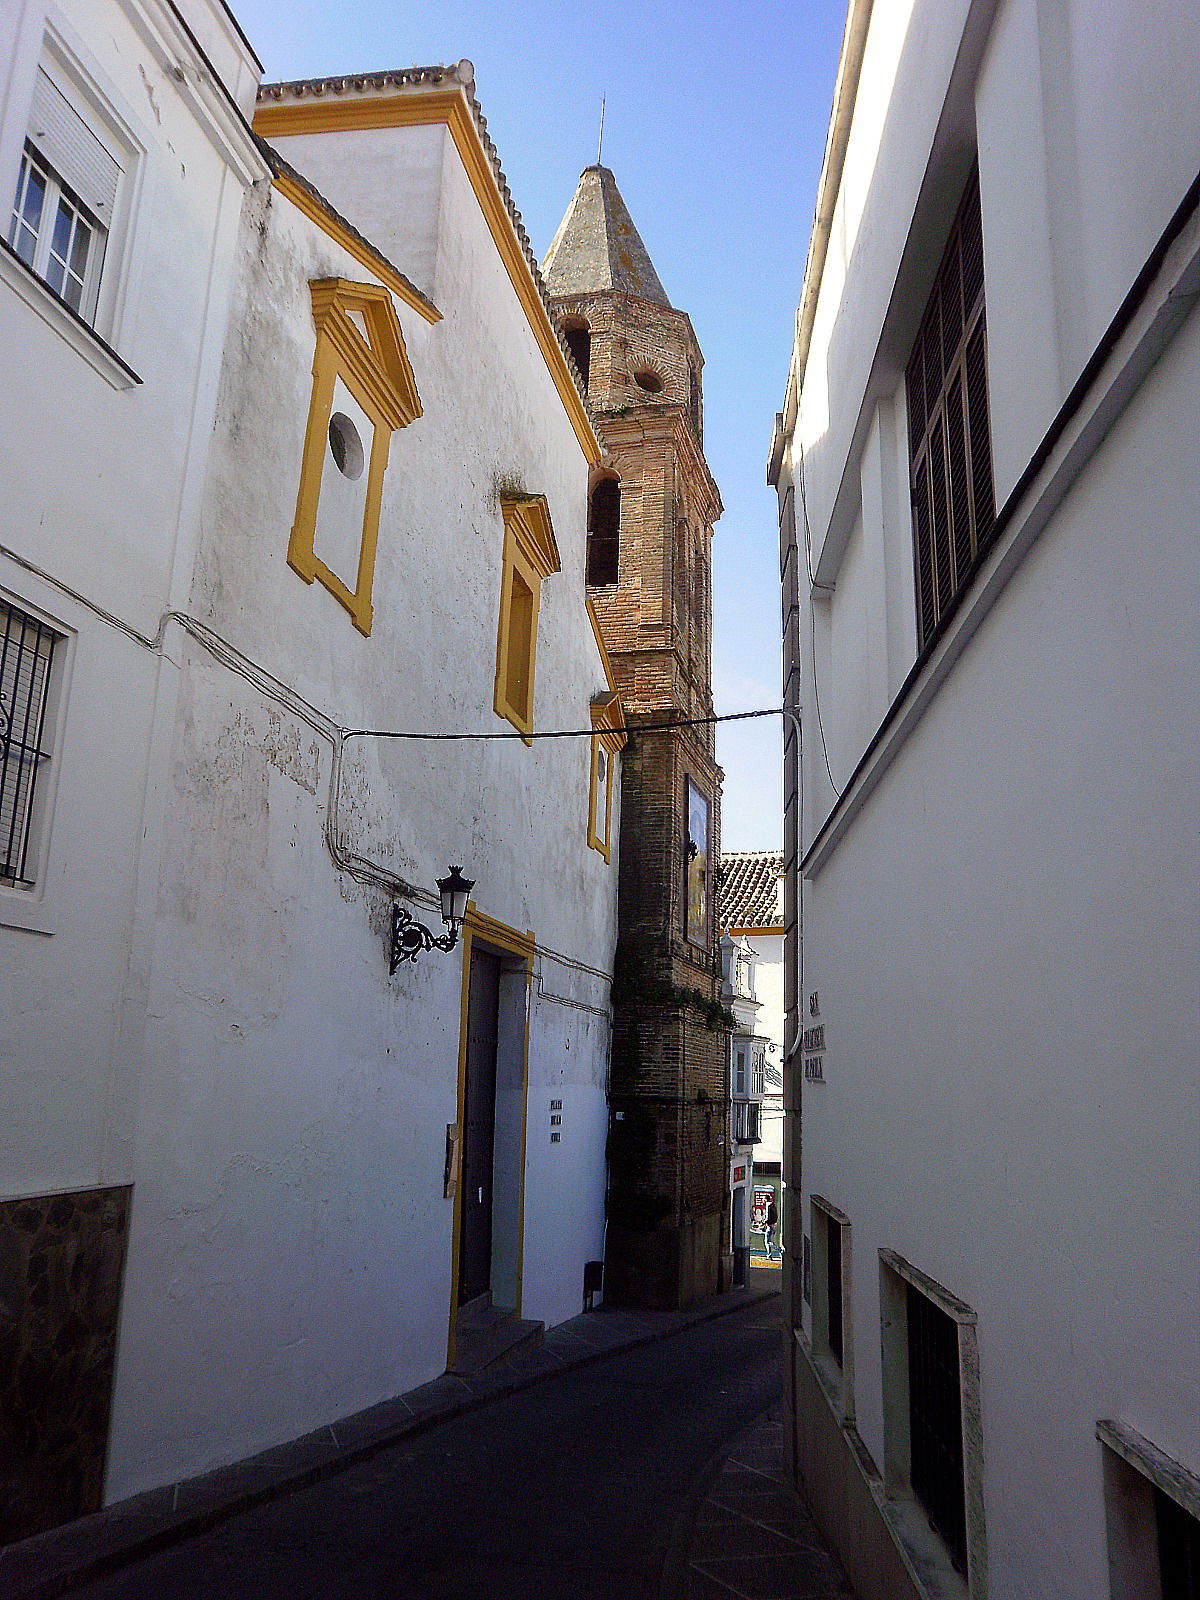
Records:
x=648, y=380
x=694, y=400
x=579, y=343
x=604, y=532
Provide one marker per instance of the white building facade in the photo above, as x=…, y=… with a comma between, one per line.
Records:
x=751, y=901
x=987, y=476
x=314, y=474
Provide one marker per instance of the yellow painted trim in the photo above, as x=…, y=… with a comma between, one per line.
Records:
x=279, y=119
x=499, y=933
x=604, y=657
x=304, y=200
x=378, y=374
x=478, y=925
x=608, y=719
x=593, y=838
x=529, y=517
x=529, y=550
x=740, y=933
x=461, y=1112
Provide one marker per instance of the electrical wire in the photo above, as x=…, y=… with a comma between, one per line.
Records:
x=566, y=733
x=364, y=871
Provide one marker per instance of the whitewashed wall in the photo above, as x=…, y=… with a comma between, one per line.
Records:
x=1003, y=930
x=100, y=488
x=768, y=986
x=291, y=1247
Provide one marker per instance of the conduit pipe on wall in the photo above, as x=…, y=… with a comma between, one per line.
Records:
x=854, y=41
x=360, y=868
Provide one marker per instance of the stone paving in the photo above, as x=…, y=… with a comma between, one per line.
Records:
x=753, y=1538
x=599, y=1468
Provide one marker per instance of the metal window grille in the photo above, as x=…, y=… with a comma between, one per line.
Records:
x=833, y=1286
x=26, y=658
x=1178, y=1549
x=935, y=1422
x=953, y=498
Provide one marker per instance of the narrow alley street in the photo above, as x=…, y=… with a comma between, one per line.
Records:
x=654, y=1473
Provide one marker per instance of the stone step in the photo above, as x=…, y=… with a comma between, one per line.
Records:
x=492, y=1337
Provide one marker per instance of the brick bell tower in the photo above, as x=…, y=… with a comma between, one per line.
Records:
x=652, y=507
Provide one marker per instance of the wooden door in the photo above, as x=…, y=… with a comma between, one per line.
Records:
x=479, y=1128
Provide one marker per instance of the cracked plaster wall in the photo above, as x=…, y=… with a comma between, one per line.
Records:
x=290, y=1253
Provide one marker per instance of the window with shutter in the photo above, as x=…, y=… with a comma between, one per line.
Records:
x=65, y=200
x=953, y=501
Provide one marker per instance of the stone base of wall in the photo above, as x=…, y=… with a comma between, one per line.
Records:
x=835, y=1474
x=663, y=1269
x=61, y=1260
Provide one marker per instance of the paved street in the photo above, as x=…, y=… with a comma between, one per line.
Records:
x=650, y=1474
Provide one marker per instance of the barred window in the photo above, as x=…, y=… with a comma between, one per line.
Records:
x=953, y=499
x=26, y=661
x=833, y=1287
x=935, y=1421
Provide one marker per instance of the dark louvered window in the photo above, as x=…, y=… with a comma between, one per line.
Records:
x=1178, y=1549
x=26, y=658
x=950, y=448
x=833, y=1279
x=604, y=532
x=935, y=1422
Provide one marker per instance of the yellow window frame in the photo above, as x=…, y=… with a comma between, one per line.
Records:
x=530, y=555
x=609, y=738
x=377, y=372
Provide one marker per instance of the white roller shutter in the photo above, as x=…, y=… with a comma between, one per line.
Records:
x=59, y=133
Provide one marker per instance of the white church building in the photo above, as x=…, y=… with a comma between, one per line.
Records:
x=295, y=462
x=988, y=471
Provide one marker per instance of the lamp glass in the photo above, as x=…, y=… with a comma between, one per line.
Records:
x=455, y=891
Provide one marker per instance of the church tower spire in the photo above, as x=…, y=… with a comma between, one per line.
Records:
x=651, y=515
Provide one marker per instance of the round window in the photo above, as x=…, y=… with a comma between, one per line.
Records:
x=345, y=446
x=649, y=381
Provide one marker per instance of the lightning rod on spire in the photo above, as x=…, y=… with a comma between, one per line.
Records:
x=600, y=141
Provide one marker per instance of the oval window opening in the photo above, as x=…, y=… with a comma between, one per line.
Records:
x=649, y=381
x=345, y=446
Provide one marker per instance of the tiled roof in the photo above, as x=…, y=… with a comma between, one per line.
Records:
x=597, y=246
x=750, y=891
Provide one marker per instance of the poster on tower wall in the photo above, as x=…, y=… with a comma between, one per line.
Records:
x=697, y=865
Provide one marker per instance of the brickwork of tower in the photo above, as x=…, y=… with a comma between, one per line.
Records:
x=668, y=1167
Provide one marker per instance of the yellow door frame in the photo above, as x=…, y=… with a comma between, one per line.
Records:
x=482, y=929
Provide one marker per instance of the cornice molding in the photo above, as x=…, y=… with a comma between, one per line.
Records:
x=527, y=517
x=381, y=366
x=450, y=107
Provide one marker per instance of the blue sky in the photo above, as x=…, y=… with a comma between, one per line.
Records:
x=715, y=127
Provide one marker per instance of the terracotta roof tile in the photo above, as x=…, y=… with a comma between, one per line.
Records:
x=750, y=896
x=462, y=75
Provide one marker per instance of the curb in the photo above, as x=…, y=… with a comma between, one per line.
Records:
x=50, y=1564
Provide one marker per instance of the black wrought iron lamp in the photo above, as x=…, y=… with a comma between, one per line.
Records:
x=410, y=937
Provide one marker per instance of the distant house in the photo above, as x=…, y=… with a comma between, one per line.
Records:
x=296, y=462
x=988, y=475
x=751, y=910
